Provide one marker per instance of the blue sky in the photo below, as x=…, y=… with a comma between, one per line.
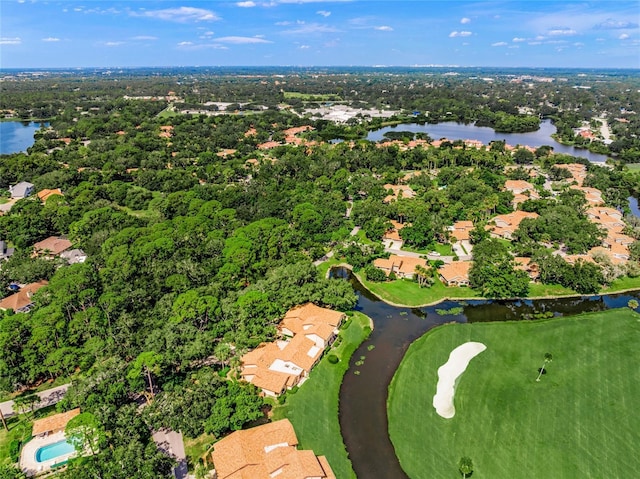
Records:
x=540, y=33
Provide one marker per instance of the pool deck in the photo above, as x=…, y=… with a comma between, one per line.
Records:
x=28, y=462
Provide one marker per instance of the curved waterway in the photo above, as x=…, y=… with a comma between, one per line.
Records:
x=459, y=131
x=363, y=396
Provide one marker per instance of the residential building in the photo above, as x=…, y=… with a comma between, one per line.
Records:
x=505, y=225
x=74, y=256
x=45, y=194
x=21, y=190
x=51, y=247
x=398, y=191
x=461, y=230
x=529, y=267
x=277, y=366
x=578, y=171
x=592, y=195
x=392, y=236
x=401, y=266
x=266, y=452
x=455, y=273
x=22, y=301
x=52, y=424
x=522, y=191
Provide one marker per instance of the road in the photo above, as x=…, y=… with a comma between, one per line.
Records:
x=47, y=398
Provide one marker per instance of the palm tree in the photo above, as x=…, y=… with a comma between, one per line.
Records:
x=465, y=466
x=547, y=359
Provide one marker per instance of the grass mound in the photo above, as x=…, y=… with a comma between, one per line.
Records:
x=580, y=420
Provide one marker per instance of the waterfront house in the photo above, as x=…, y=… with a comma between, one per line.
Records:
x=401, y=266
x=306, y=331
x=265, y=452
x=455, y=273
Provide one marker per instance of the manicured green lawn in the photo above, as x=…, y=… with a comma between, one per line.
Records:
x=539, y=289
x=633, y=166
x=580, y=421
x=313, y=410
x=443, y=249
x=408, y=293
x=621, y=284
x=324, y=267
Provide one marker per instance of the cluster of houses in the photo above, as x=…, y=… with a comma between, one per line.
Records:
x=290, y=138
x=305, y=332
x=50, y=248
x=615, y=245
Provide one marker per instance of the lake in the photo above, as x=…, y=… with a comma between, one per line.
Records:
x=459, y=131
x=16, y=136
x=363, y=397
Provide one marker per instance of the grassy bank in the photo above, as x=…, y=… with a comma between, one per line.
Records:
x=405, y=292
x=580, y=420
x=313, y=410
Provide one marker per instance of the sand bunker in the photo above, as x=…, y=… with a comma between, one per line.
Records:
x=448, y=373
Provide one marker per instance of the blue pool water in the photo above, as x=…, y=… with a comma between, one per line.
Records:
x=51, y=451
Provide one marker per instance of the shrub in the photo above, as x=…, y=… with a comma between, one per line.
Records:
x=392, y=276
x=14, y=450
x=333, y=359
x=374, y=274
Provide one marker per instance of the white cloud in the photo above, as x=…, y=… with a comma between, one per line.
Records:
x=623, y=36
x=51, y=39
x=518, y=39
x=304, y=47
x=384, y=28
x=184, y=44
x=465, y=20
x=246, y=4
x=459, y=34
x=10, y=41
x=241, y=40
x=113, y=44
x=611, y=24
x=535, y=43
x=306, y=29
x=180, y=14
x=324, y=13
x=499, y=44
x=562, y=32
x=144, y=37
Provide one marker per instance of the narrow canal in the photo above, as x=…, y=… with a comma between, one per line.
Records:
x=363, y=395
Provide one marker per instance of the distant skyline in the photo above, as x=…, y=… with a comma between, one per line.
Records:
x=58, y=34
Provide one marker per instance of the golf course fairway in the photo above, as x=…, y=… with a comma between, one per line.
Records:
x=581, y=420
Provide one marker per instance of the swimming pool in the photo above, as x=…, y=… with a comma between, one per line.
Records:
x=51, y=451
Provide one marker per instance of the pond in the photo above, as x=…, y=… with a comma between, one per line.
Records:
x=363, y=397
x=459, y=131
x=16, y=136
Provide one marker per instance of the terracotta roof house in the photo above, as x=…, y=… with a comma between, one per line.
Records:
x=525, y=264
x=402, y=266
x=54, y=423
x=393, y=235
x=522, y=191
x=280, y=365
x=455, y=273
x=21, y=190
x=608, y=218
x=461, y=229
x=22, y=301
x=5, y=251
x=268, y=145
x=506, y=225
x=397, y=191
x=266, y=452
x=51, y=247
x=592, y=195
x=44, y=195
x=578, y=171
